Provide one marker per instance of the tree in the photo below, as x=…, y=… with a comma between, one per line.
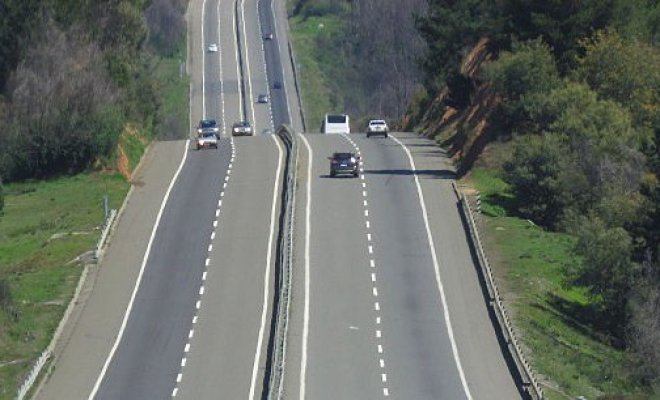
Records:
x=2, y=196
x=644, y=329
x=606, y=270
x=560, y=23
x=534, y=173
x=167, y=26
x=450, y=29
x=624, y=71
x=527, y=71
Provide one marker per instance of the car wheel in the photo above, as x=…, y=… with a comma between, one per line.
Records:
x=368, y=134
x=333, y=173
x=387, y=135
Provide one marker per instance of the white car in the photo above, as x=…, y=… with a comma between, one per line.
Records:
x=213, y=48
x=377, y=127
x=207, y=140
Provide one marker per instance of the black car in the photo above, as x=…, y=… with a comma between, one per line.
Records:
x=277, y=85
x=344, y=164
x=241, y=128
x=208, y=125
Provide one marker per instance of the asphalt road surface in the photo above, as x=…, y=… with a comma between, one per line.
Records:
x=386, y=298
x=389, y=302
x=195, y=293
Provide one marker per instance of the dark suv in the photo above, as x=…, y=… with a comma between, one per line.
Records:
x=344, y=163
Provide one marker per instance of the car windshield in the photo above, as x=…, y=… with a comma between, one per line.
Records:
x=207, y=123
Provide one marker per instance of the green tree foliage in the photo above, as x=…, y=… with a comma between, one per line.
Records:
x=80, y=75
x=627, y=72
x=561, y=23
x=17, y=19
x=606, y=271
x=450, y=28
x=586, y=158
x=2, y=196
x=638, y=20
x=167, y=26
x=519, y=76
x=535, y=174
x=60, y=116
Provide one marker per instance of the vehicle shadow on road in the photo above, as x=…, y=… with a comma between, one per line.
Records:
x=428, y=173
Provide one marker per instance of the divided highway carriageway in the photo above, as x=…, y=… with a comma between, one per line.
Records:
x=247, y=272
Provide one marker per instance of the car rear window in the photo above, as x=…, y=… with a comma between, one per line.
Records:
x=209, y=123
x=377, y=122
x=336, y=119
x=343, y=155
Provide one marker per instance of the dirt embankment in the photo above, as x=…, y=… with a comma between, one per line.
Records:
x=464, y=131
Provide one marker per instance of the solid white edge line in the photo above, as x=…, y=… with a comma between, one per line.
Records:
x=305, y=333
x=238, y=65
x=269, y=256
x=203, y=64
x=279, y=50
x=222, y=80
x=436, y=266
x=129, y=308
x=247, y=63
x=263, y=62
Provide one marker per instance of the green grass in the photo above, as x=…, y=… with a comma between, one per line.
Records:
x=45, y=225
x=312, y=41
x=173, y=87
x=571, y=356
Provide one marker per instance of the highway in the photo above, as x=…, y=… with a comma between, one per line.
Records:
x=392, y=304
x=386, y=301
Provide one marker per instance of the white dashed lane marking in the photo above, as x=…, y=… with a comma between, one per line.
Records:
x=372, y=265
x=207, y=263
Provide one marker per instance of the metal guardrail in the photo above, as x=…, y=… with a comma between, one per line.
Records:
x=281, y=304
x=296, y=79
x=529, y=382
x=48, y=352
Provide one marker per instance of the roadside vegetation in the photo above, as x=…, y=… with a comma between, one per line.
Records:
x=84, y=88
x=567, y=138
x=357, y=58
x=552, y=111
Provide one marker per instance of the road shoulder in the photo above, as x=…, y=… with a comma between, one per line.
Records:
x=97, y=314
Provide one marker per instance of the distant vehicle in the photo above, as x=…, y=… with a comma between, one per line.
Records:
x=263, y=98
x=213, y=48
x=208, y=125
x=344, y=164
x=268, y=36
x=377, y=127
x=336, y=123
x=207, y=140
x=277, y=85
x=242, y=128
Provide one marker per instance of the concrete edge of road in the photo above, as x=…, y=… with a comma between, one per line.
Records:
x=51, y=352
x=527, y=378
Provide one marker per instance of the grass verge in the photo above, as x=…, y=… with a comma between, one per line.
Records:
x=572, y=358
x=45, y=225
x=312, y=39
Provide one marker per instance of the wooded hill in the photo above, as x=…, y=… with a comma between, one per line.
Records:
x=573, y=90
x=74, y=75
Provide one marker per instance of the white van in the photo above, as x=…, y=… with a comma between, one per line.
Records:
x=336, y=123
